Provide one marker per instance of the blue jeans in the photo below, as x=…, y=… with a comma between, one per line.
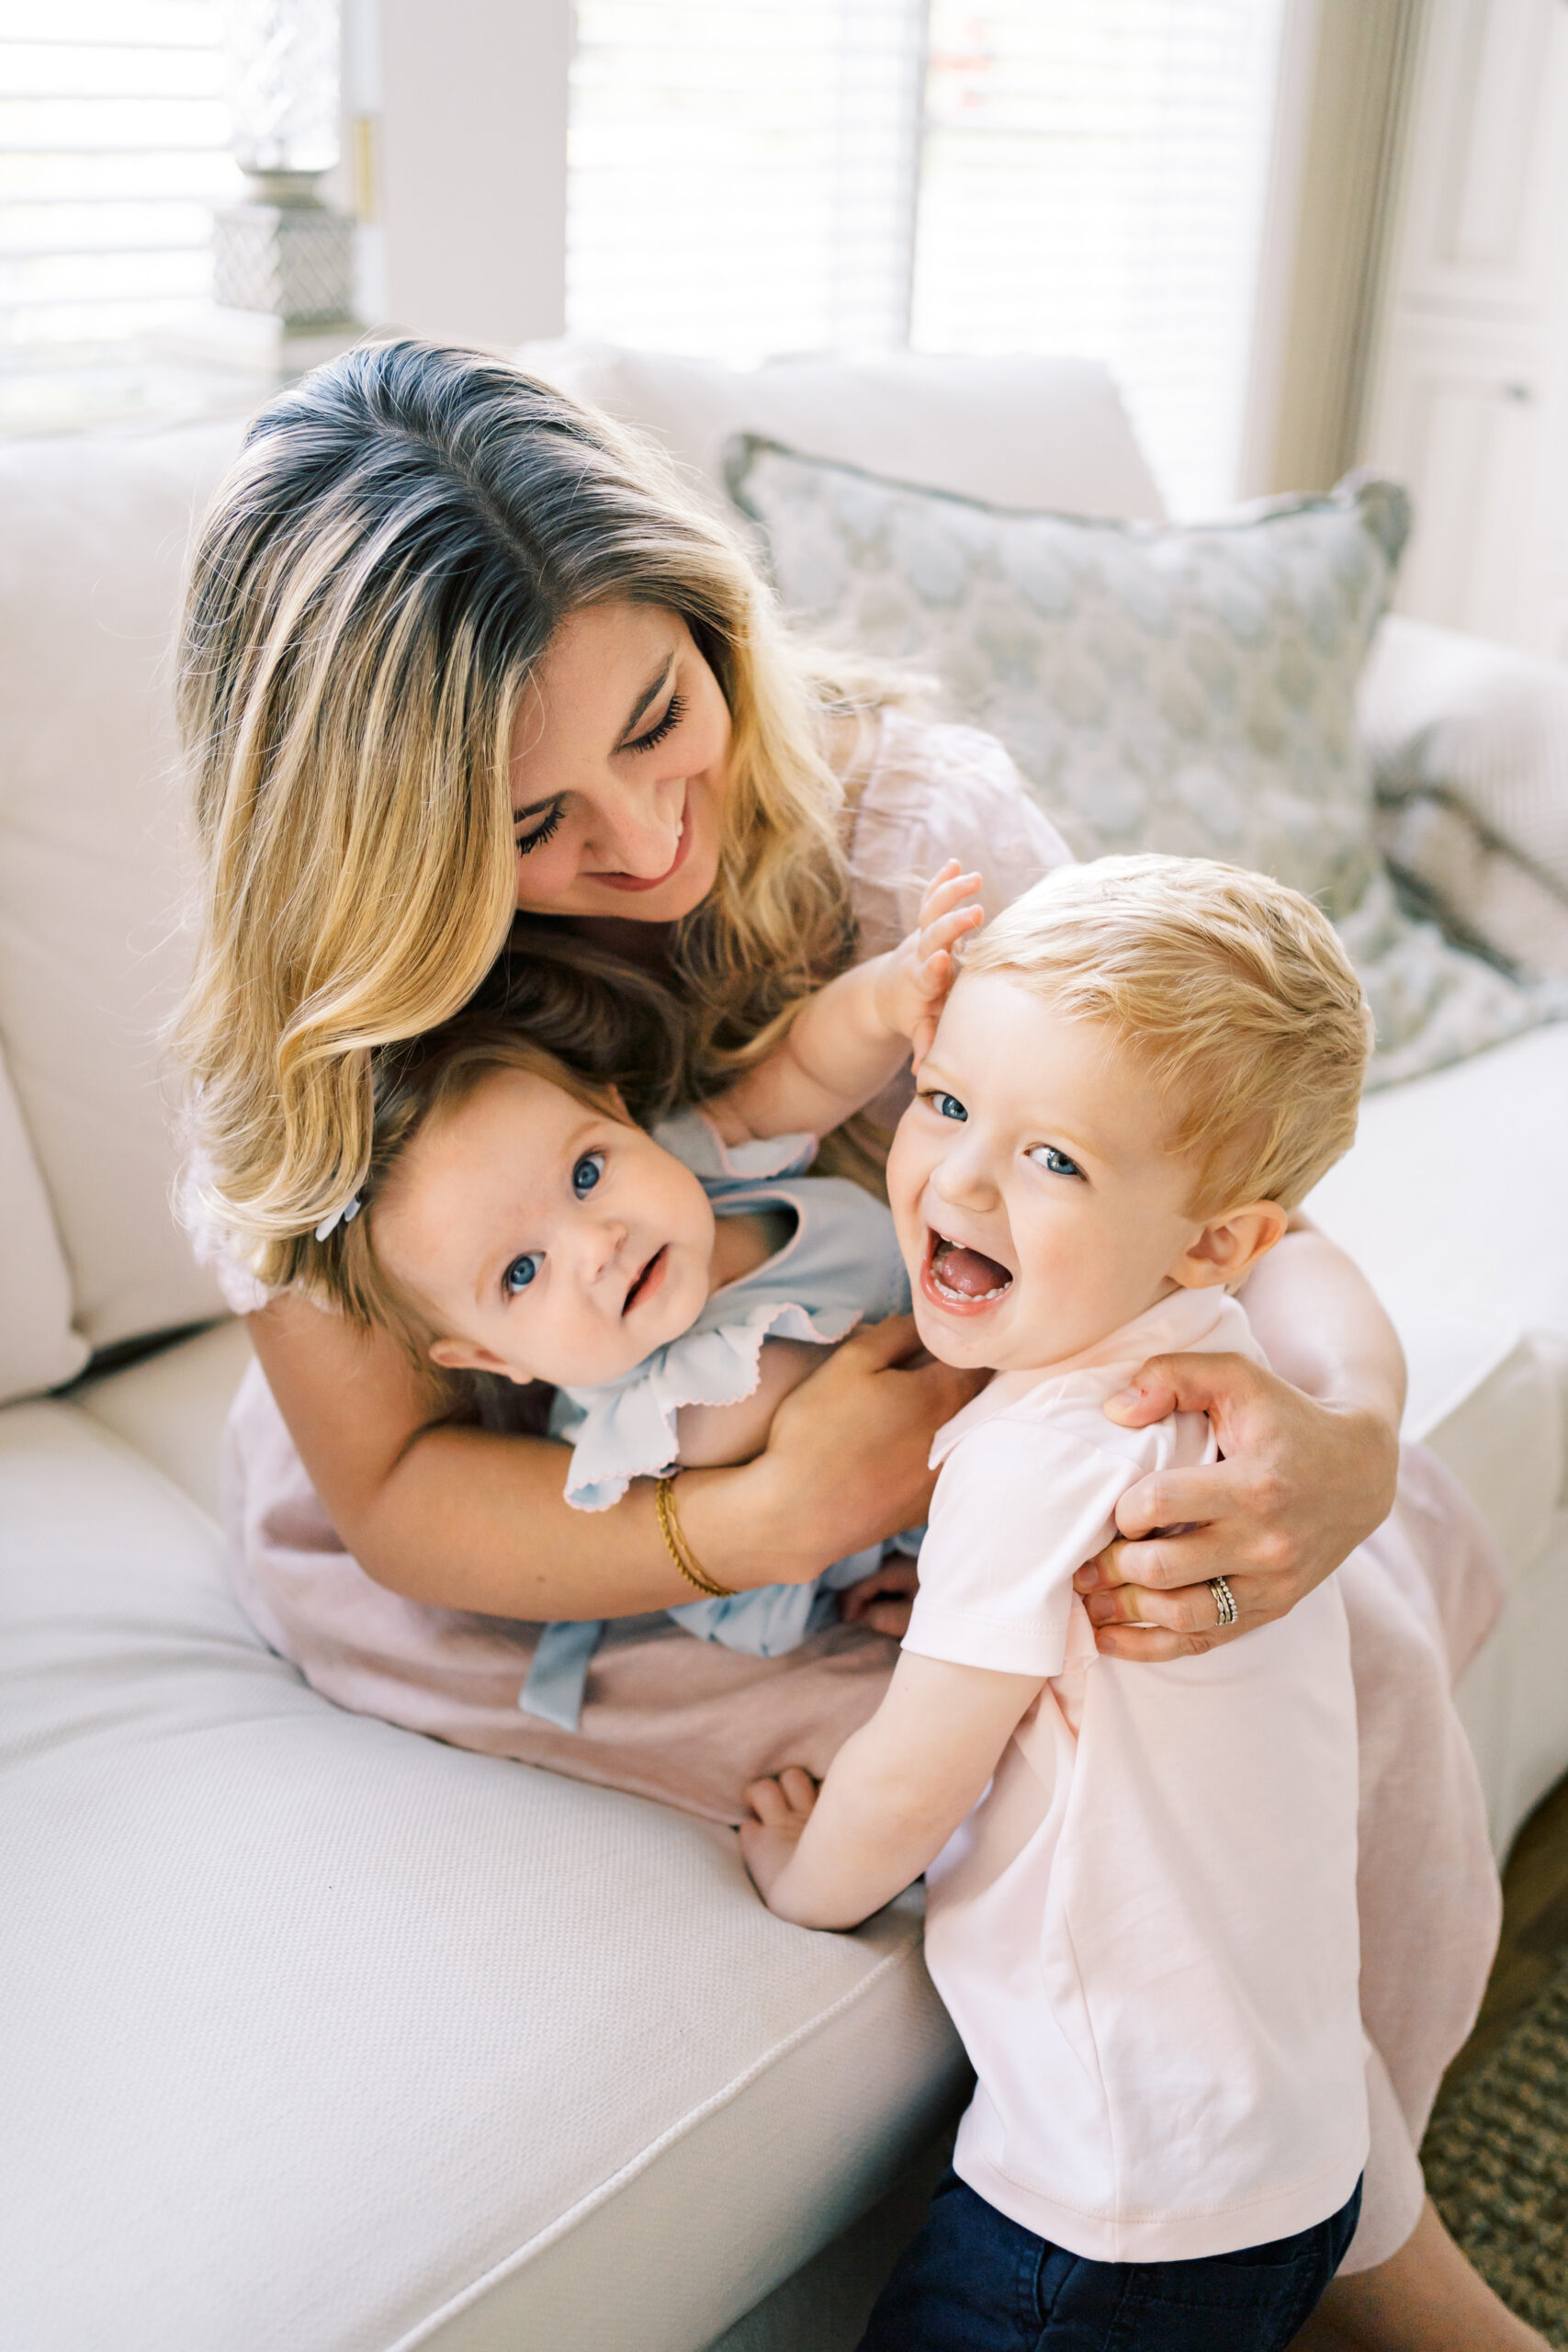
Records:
x=973, y=2281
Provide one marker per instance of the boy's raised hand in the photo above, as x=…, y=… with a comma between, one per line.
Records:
x=782, y=1808
x=921, y=971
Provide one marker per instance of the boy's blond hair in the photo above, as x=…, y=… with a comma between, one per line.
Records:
x=1233, y=991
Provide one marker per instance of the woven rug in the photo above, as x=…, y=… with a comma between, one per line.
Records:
x=1497, y=2162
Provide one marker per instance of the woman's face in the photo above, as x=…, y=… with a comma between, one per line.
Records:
x=619, y=765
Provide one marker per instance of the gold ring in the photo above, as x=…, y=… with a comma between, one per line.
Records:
x=1225, y=1600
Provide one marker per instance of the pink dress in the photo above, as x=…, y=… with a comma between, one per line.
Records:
x=690, y=1722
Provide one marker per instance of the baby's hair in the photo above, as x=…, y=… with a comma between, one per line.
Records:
x=1231, y=990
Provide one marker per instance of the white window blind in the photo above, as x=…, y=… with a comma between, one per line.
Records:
x=742, y=172
x=1094, y=181
x=1088, y=177
x=113, y=153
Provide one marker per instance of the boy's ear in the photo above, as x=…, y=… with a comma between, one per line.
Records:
x=462, y=1356
x=1230, y=1246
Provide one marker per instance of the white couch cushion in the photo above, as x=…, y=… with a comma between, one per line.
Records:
x=1485, y=723
x=37, y=1346
x=93, y=536
x=323, y=2033
x=1454, y=1190
x=172, y=1407
x=1018, y=431
x=1452, y=1200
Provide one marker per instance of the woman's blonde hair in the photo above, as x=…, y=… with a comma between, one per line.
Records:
x=370, y=594
x=1233, y=991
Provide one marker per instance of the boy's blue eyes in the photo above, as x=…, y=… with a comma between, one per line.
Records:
x=1044, y=1155
x=1054, y=1162
x=587, y=1172
x=521, y=1273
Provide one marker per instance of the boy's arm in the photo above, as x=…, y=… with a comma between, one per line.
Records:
x=849, y=1039
x=896, y=1791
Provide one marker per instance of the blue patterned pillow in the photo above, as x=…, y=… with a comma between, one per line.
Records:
x=1185, y=688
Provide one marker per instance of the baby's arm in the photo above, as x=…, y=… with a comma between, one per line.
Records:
x=854, y=1035
x=896, y=1791
x=711, y=1436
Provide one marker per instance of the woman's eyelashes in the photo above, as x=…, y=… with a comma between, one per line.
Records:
x=542, y=832
x=1054, y=1162
x=674, y=711
x=548, y=825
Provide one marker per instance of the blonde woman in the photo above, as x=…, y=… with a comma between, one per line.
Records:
x=477, y=700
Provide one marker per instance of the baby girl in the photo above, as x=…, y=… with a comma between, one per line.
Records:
x=1142, y=1878
x=671, y=1288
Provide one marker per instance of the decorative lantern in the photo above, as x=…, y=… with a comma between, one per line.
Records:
x=284, y=251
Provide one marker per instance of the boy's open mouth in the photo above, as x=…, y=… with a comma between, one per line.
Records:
x=958, y=1277
x=647, y=1282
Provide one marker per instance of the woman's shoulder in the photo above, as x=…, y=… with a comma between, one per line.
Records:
x=934, y=789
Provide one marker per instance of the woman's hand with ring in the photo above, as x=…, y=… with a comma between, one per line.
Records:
x=1299, y=1485
x=846, y=1458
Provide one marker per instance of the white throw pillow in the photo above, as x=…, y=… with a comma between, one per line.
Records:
x=93, y=535
x=1190, y=689
x=1018, y=431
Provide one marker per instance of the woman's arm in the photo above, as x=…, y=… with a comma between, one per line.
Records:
x=470, y=1520
x=1310, y=1455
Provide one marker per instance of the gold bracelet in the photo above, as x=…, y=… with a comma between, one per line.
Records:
x=676, y=1546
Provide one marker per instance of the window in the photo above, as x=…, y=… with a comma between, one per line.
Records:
x=741, y=173
x=113, y=153
x=752, y=176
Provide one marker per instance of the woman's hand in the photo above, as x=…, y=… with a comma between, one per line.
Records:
x=1301, y=1484
x=845, y=1461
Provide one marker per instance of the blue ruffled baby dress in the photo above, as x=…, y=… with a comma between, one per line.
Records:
x=840, y=1267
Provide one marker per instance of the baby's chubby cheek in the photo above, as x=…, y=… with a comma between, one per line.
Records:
x=907, y=1171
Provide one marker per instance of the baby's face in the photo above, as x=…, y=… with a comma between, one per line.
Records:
x=1038, y=1205
x=546, y=1241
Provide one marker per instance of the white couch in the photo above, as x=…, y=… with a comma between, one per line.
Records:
x=324, y=2035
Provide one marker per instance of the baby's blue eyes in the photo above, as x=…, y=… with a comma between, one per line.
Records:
x=1054, y=1162
x=527, y=1268
x=947, y=1106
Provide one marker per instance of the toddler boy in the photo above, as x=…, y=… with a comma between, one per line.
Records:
x=1142, y=1909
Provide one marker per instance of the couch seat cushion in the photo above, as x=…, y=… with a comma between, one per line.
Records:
x=1453, y=1201
x=324, y=2033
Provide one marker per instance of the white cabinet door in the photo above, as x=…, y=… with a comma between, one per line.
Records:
x=1470, y=402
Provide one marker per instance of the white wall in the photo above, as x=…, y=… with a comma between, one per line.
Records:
x=463, y=109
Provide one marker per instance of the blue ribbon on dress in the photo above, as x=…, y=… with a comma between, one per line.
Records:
x=558, y=1674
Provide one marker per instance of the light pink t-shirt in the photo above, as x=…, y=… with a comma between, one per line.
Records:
x=1146, y=1932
